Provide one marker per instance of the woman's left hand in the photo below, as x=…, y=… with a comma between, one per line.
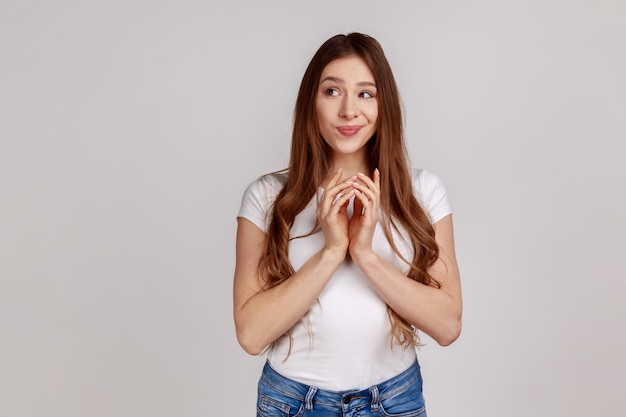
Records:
x=366, y=207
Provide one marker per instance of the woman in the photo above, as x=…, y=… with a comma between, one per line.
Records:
x=345, y=255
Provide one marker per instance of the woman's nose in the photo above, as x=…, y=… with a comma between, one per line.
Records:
x=348, y=109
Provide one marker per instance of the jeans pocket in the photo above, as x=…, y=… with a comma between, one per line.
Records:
x=272, y=403
x=269, y=407
x=408, y=402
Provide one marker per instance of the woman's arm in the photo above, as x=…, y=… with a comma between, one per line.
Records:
x=262, y=316
x=435, y=311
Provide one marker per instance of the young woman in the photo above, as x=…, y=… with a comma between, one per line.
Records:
x=345, y=255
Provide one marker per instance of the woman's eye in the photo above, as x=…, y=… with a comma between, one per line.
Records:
x=366, y=94
x=332, y=92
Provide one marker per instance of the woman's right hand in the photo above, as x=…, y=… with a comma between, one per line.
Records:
x=332, y=213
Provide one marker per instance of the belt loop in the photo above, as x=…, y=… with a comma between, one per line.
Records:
x=374, y=392
x=308, y=400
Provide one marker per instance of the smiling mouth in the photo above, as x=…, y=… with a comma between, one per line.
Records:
x=349, y=131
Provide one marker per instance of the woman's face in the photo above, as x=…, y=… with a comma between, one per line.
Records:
x=346, y=106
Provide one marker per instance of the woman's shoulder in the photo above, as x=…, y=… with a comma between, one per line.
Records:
x=270, y=183
x=424, y=179
x=267, y=186
x=431, y=193
x=259, y=197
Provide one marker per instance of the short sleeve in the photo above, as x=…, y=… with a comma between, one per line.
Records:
x=431, y=193
x=258, y=198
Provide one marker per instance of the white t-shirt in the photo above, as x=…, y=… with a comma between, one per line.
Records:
x=343, y=342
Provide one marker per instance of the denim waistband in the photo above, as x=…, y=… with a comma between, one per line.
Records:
x=341, y=399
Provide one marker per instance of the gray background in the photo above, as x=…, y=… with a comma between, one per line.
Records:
x=129, y=130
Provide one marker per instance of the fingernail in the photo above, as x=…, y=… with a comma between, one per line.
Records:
x=360, y=174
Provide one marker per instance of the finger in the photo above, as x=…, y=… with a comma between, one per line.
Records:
x=330, y=196
x=364, y=201
x=371, y=194
x=339, y=205
x=370, y=187
x=343, y=208
x=369, y=211
x=334, y=179
x=367, y=180
x=377, y=183
x=333, y=190
x=341, y=202
x=358, y=206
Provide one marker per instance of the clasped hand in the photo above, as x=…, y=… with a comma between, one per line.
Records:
x=349, y=235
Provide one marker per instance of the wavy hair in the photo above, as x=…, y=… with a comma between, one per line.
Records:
x=310, y=161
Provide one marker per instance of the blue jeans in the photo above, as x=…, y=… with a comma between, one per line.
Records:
x=400, y=396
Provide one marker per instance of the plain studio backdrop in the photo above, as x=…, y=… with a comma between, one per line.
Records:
x=130, y=129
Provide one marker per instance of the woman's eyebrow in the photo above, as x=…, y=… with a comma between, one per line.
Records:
x=341, y=81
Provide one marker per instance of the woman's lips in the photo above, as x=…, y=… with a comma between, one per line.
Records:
x=349, y=131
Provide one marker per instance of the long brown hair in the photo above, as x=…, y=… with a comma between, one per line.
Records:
x=310, y=161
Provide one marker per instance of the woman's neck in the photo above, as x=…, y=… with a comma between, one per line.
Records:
x=350, y=166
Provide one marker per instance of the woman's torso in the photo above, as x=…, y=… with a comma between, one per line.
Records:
x=344, y=341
